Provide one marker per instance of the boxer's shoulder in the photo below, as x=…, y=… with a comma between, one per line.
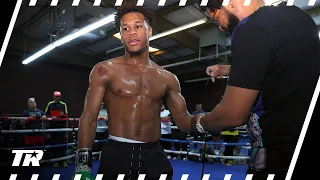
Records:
x=108, y=64
x=163, y=71
x=104, y=68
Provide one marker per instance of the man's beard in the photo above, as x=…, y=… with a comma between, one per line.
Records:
x=233, y=21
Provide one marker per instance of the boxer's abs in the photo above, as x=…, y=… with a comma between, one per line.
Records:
x=136, y=118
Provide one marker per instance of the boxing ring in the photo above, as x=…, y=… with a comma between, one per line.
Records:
x=193, y=164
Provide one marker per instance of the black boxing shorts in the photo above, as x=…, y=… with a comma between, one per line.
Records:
x=133, y=159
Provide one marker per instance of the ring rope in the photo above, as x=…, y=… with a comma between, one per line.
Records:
x=65, y=130
x=102, y=141
x=77, y=119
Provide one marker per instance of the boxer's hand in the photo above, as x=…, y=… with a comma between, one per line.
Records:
x=215, y=72
x=195, y=119
x=83, y=163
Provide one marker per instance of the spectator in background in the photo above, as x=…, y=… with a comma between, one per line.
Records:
x=165, y=128
x=101, y=133
x=33, y=139
x=230, y=136
x=58, y=109
x=237, y=152
x=198, y=110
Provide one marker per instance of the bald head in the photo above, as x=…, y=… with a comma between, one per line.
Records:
x=228, y=17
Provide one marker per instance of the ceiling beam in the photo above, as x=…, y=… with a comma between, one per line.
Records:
x=182, y=37
x=65, y=55
x=313, y=10
x=179, y=59
x=173, y=7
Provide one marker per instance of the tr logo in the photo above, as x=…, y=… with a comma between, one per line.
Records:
x=31, y=156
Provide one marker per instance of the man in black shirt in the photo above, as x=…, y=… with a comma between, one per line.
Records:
x=275, y=68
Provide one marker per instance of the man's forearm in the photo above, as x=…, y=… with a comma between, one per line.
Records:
x=87, y=131
x=225, y=69
x=219, y=120
x=184, y=123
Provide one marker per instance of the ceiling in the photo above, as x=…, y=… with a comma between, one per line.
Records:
x=186, y=53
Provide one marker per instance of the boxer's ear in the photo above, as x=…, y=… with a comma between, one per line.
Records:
x=150, y=31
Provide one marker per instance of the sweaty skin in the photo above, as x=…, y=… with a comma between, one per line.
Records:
x=133, y=88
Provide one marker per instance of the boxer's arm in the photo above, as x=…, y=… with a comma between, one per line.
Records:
x=177, y=105
x=94, y=97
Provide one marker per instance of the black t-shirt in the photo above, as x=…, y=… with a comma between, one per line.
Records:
x=38, y=113
x=276, y=51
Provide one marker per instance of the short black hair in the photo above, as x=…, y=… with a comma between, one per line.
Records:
x=129, y=6
x=212, y=5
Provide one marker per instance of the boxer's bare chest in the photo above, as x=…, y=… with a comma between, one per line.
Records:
x=141, y=82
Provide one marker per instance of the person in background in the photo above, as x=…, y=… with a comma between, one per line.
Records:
x=165, y=128
x=198, y=110
x=230, y=136
x=33, y=139
x=101, y=132
x=237, y=152
x=58, y=109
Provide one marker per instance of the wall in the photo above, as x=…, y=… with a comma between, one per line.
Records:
x=198, y=92
x=40, y=78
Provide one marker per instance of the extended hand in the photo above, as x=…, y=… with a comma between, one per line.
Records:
x=195, y=123
x=218, y=71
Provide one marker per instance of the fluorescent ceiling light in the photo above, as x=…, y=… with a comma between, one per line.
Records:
x=108, y=19
x=151, y=49
x=180, y=28
x=174, y=30
x=117, y=36
x=272, y=2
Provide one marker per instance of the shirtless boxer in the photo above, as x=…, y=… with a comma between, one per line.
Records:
x=133, y=88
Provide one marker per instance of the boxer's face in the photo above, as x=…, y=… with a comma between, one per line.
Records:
x=135, y=33
x=225, y=17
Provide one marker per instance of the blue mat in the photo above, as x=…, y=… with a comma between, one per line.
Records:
x=217, y=170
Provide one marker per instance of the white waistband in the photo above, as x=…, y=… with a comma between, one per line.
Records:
x=120, y=139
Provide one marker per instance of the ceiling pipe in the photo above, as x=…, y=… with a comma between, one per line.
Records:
x=197, y=59
x=203, y=79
